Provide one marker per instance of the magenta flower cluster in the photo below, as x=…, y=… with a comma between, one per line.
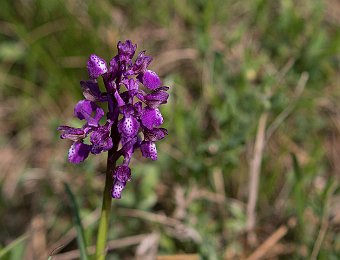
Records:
x=133, y=118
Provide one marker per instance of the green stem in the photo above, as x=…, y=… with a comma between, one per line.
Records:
x=106, y=206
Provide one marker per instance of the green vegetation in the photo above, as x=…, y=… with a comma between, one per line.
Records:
x=230, y=65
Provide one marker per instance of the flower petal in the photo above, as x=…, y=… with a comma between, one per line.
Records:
x=91, y=91
x=151, y=80
x=132, y=85
x=151, y=117
x=114, y=66
x=84, y=110
x=128, y=147
x=78, y=152
x=100, y=139
x=126, y=51
x=117, y=189
x=74, y=134
x=122, y=173
x=155, y=134
x=149, y=150
x=96, y=66
x=119, y=99
x=141, y=63
x=138, y=108
x=128, y=126
x=156, y=98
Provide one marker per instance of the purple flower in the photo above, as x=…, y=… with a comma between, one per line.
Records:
x=101, y=140
x=133, y=95
x=149, y=150
x=126, y=51
x=121, y=175
x=141, y=63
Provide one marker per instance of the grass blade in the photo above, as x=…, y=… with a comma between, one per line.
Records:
x=79, y=227
x=12, y=245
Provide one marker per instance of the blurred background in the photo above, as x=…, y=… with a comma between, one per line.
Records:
x=251, y=166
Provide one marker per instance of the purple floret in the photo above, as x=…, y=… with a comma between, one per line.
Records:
x=151, y=117
x=149, y=150
x=141, y=63
x=121, y=175
x=85, y=109
x=91, y=91
x=96, y=66
x=74, y=134
x=126, y=51
x=78, y=152
x=128, y=126
x=150, y=79
x=101, y=140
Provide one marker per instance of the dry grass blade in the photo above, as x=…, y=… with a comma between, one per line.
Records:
x=324, y=223
x=148, y=248
x=254, y=175
x=255, y=165
x=220, y=192
x=271, y=241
